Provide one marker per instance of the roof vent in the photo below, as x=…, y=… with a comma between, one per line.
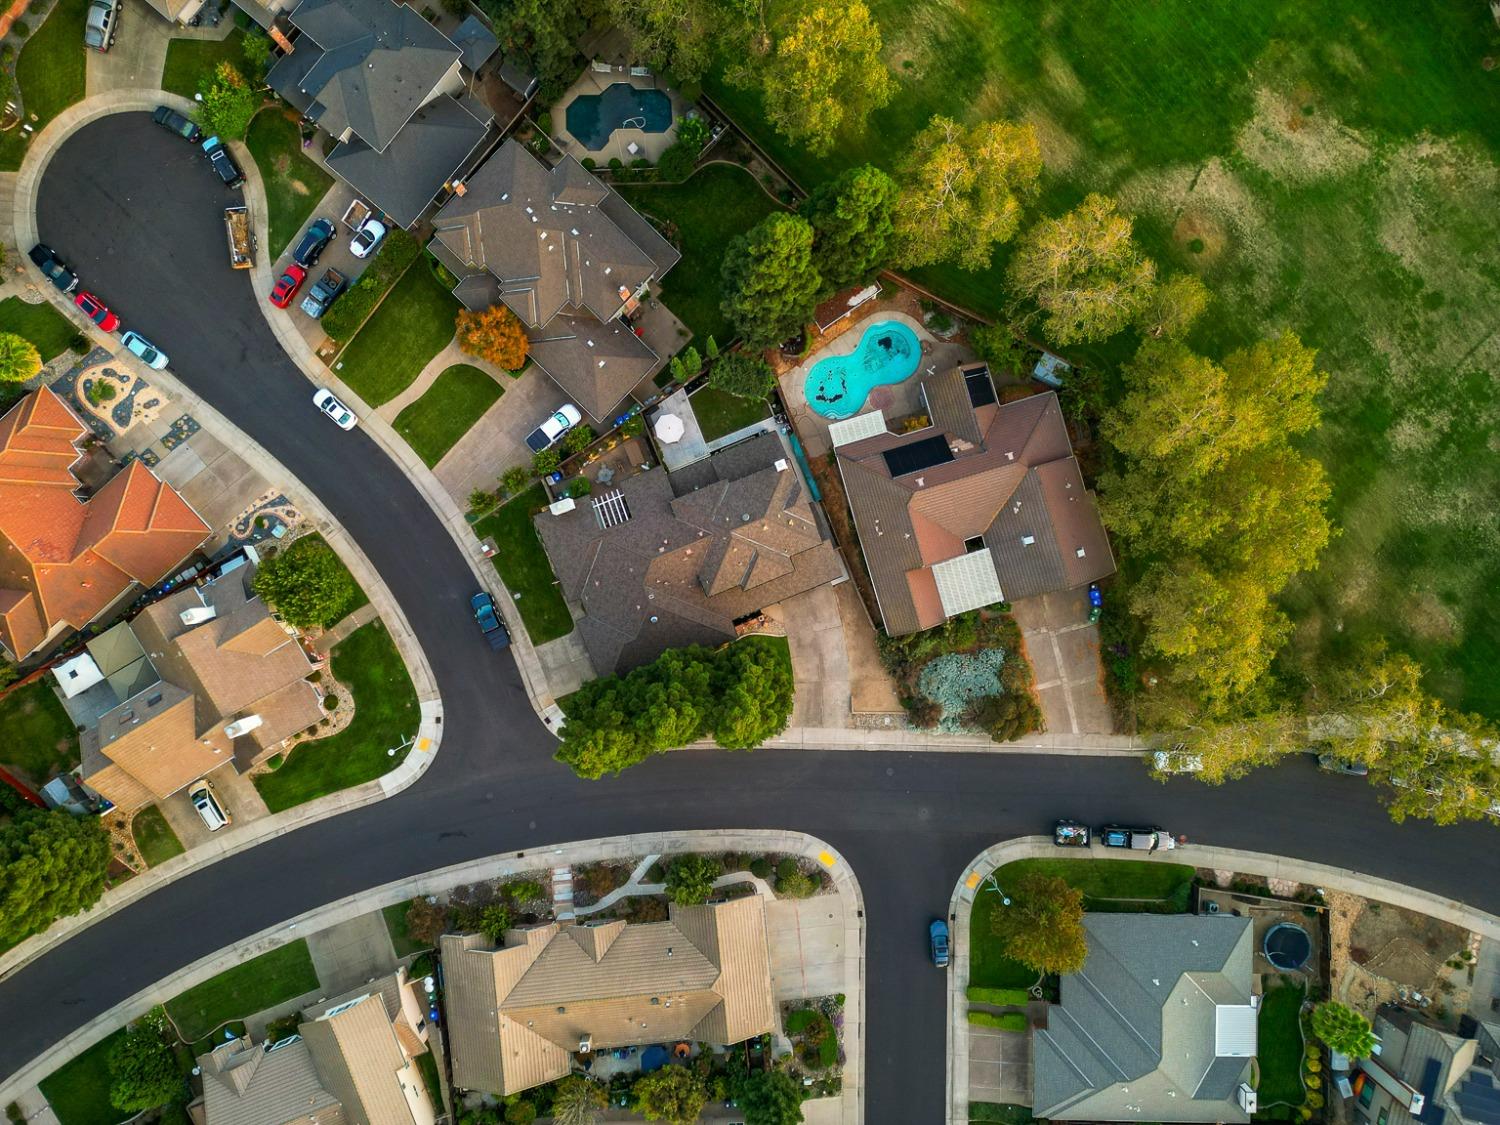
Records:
x=504, y=195
x=574, y=232
x=1079, y=552
x=1027, y=540
x=1009, y=456
x=197, y=615
x=781, y=465
x=590, y=343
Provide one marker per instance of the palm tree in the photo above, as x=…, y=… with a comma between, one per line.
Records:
x=19, y=359
x=578, y=1101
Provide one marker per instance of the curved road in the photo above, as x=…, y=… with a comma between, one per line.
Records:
x=138, y=213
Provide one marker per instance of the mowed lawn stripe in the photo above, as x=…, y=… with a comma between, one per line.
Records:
x=275, y=977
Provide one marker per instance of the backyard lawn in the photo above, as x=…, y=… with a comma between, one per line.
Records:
x=37, y=738
x=294, y=184
x=78, y=1091
x=385, y=715
x=718, y=203
x=719, y=412
x=524, y=568
x=1280, y=1050
x=1322, y=171
x=272, y=978
x=42, y=324
x=50, y=73
x=412, y=325
x=154, y=836
x=190, y=60
x=456, y=400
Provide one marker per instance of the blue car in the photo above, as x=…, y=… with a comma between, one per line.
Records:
x=489, y=621
x=937, y=938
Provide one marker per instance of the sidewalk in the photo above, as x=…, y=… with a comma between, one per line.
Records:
x=1196, y=855
x=851, y=1103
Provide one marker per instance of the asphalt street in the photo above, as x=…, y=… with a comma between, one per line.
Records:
x=138, y=214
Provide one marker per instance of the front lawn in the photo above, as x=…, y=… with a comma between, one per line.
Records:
x=720, y=413
x=191, y=60
x=524, y=568
x=395, y=923
x=50, y=72
x=294, y=184
x=78, y=1091
x=42, y=324
x=718, y=203
x=37, y=738
x=413, y=324
x=456, y=400
x=1280, y=1045
x=385, y=716
x=282, y=974
x=154, y=836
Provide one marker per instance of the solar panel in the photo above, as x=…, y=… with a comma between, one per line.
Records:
x=918, y=455
x=611, y=510
x=981, y=389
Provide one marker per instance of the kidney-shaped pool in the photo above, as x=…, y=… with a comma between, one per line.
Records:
x=888, y=352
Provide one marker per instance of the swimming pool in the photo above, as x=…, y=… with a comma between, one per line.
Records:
x=888, y=352
x=593, y=117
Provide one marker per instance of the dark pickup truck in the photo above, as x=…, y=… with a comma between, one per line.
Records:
x=223, y=163
x=324, y=290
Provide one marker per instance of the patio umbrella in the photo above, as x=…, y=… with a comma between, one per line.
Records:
x=669, y=428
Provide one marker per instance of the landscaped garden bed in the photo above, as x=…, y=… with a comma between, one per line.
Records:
x=815, y=1028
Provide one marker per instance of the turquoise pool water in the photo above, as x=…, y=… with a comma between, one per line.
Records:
x=593, y=117
x=888, y=352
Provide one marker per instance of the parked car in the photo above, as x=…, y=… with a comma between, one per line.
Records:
x=99, y=26
x=1136, y=839
x=342, y=416
x=562, y=420
x=1176, y=761
x=141, y=348
x=1334, y=764
x=937, y=941
x=94, y=309
x=1070, y=834
x=365, y=240
x=52, y=268
x=489, y=621
x=287, y=285
x=323, y=292
x=206, y=801
x=223, y=162
x=173, y=122
x=313, y=243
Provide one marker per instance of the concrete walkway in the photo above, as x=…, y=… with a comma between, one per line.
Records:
x=848, y=1109
x=450, y=356
x=360, y=617
x=1196, y=855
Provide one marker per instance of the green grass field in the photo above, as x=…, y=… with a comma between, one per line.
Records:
x=719, y=412
x=456, y=400
x=713, y=207
x=78, y=1091
x=191, y=60
x=1327, y=168
x=37, y=739
x=154, y=836
x=272, y=978
x=42, y=324
x=50, y=74
x=294, y=184
x=524, y=568
x=395, y=923
x=1280, y=1045
x=412, y=324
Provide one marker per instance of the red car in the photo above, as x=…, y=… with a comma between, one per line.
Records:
x=94, y=309
x=287, y=285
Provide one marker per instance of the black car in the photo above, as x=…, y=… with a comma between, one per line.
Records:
x=313, y=243
x=223, y=162
x=173, y=122
x=52, y=266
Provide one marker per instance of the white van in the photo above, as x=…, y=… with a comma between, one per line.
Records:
x=207, y=804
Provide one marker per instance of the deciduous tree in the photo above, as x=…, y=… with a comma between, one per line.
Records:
x=1343, y=1029
x=963, y=191
x=19, y=358
x=852, y=221
x=306, y=583
x=1083, y=272
x=1174, y=306
x=578, y=1101
x=1043, y=926
x=496, y=335
x=674, y=35
x=673, y=1094
x=770, y=1097
x=690, y=878
x=543, y=34
x=426, y=921
x=226, y=102
x=143, y=1074
x=770, y=282
x=51, y=865
x=742, y=373
x=825, y=74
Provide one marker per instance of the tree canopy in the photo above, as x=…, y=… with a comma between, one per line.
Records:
x=578, y=1101
x=1043, y=926
x=852, y=222
x=496, y=335
x=742, y=373
x=306, y=583
x=1173, y=307
x=770, y=1097
x=673, y=1094
x=544, y=34
x=963, y=190
x=19, y=358
x=770, y=283
x=143, y=1074
x=825, y=74
x=226, y=102
x=1343, y=1029
x=690, y=878
x=51, y=865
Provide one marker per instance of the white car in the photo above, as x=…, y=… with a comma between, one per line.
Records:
x=563, y=419
x=141, y=348
x=367, y=238
x=342, y=416
x=207, y=803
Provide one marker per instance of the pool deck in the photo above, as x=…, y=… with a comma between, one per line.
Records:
x=896, y=399
x=648, y=145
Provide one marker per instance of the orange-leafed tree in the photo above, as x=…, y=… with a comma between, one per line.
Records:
x=496, y=334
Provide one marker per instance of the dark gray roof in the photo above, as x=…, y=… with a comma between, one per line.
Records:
x=435, y=147
x=518, y=78
x=377, y=63
x=475, y=41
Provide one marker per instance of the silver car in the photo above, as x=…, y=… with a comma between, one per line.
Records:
x=99, y=28
x=142, y=349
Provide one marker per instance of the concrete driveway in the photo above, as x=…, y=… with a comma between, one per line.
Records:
x=335, y=256
x=999, y=1066
x=498, y=440
x=1064, y=652
x=806, y=938
x=236, y=795
x=352, y=953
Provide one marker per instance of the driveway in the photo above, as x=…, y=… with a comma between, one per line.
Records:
x=999, y=1066
x=236, y=794
x=815, y=635
x=336, y=255
x=352, y=953
x=498, y=440
x=138, y=56
x=1064, y=652
x=806, y=938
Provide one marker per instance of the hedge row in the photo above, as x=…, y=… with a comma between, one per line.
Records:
x=998, y=996
x=397, y=252
x=1010, y=1021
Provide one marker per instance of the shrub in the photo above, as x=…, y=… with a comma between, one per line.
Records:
x=998, y=346
x=580, y=486
x=999, y=996
x=589, y=162
x=742, y=374
x=1010, y=1021
x=797, y=884
x=19, y=358
x=1007, y=717
x=100, y=391
x=481, y=501
x=21, y=28
x=226, y=103
x=676, y=164
x=656, y=873
x=524, y=890
x=330, y=702
x=494, y=920
x=579, y=438
x=256, y=46
x=616, y=164
x=760, y=867
x=692, y=134
x=515, y=479
x=690, y=878
x=785, y=866
x=546, y=461
x=398, y=251
x=426, y=921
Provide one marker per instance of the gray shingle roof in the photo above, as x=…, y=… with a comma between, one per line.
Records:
x=476, y=42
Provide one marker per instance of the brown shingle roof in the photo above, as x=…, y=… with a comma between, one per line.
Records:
x=244, y=1084
x=361, y=1062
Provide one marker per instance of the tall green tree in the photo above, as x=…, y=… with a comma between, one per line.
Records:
x=770, y=1097
x=1343, y=1029
x=1173, y=307
x=754, y=689
x=226, y=102
x=673, y=1094
x=963, y=191
x=51, y=865
x=852, y=221
x=1083, y=272
x=742, y=374
x=544, y=34
x=143, y=1074
x=578, y=1101
x=678, y=36
x=19, y=358
x=825, y=75
x=1043, y=926
x=690, y=878
x=770, y=283
x=306, y=583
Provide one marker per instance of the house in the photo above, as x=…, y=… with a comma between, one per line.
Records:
x=198, y=680
x=1425, y=1074
x=568, y=256
x=983, y=503
x=352, y=1062
x=1158, y=1025
x=663, y=560
x=64, y=559
x=518, y=1013
x=389, y=87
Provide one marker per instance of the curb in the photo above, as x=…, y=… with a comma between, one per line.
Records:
x=506, y=863
x=1194, y=855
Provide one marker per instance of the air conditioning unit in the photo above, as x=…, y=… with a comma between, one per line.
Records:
x=242, y=726
x=1245, y=1096
x=585, y=1045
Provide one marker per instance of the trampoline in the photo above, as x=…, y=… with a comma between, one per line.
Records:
x=1287, y=946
